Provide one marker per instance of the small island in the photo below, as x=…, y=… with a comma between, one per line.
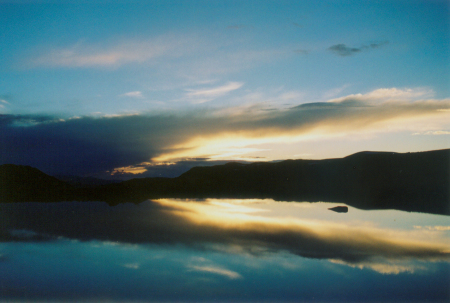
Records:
x=339, y=209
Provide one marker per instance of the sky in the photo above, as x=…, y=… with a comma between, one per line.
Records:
x=121, y=89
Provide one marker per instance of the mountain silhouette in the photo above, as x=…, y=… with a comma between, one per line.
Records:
x=24, y=183
x=366, y=180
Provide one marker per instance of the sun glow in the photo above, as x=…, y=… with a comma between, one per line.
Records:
x=235, y=147
x=135, y=170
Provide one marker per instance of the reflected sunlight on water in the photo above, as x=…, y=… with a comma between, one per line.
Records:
x=353, y=238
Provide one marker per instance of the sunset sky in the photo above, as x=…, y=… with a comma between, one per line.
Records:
x=151, y=88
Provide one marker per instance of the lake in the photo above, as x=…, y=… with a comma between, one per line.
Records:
x=173, y=250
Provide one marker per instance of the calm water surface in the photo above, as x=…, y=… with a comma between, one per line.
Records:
x=221, y=251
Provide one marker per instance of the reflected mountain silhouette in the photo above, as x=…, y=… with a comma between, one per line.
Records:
x=367, y=180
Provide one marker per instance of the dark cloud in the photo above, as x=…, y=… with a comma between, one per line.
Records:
x=190, y=223
x=344, y=50
x=77, y=146
x=24, y=120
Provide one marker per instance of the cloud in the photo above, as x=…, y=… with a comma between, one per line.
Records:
x=438, y=227
x=88, y=145
x=5, y=101
x=216, y=270
x=386, y=267
x=389, y=94
x=433, y=133
x=344, y=50
x=97, y=55
x=226, y=226
x=132, y=265
x=180, y=57
x=191, y=57
x=208, y=94
x=135, y=94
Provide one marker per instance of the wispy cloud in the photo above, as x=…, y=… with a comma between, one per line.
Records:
x=436, y=227
x=389, y=94
x=83, y=54
x=208, y=94
x=190, y=57
x=132, y=265
x=433, y=133
x=387, y=268
x=3, y=103
x=216, y=270
x=135, y=94
x=344, y=50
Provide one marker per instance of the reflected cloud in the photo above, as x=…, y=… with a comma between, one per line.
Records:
x=132, y=265
x=229, y=227
x=386, y=267
x=216, y=270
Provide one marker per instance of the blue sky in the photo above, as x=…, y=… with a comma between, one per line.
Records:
x=156, y=87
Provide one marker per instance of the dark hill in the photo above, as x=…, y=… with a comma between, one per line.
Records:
x=367, y=180
x=24, y=183
x=84, y=182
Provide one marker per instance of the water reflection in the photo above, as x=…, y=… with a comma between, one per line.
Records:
x=244, y=226
x=222, y=239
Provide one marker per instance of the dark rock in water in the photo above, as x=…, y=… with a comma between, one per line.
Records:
x=339, y=209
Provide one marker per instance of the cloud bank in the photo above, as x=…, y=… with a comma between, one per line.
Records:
x=85, y=145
